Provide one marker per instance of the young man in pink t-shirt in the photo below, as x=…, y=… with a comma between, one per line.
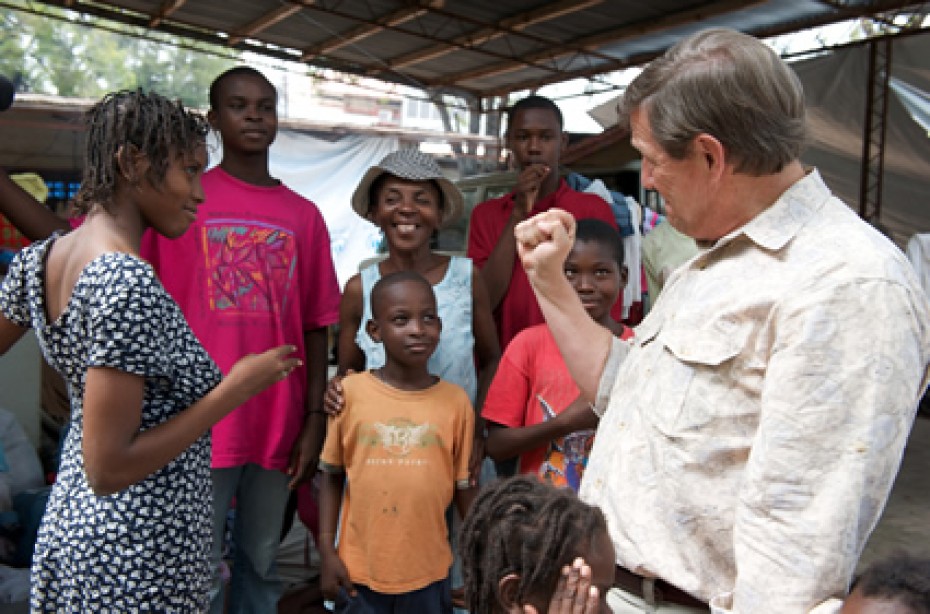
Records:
x=255, y=269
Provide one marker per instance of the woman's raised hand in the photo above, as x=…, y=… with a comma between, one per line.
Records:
x=254, y=372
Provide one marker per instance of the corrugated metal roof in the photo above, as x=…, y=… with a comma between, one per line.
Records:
x=474, y=47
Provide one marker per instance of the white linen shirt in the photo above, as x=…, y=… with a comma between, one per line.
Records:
x=757, y=420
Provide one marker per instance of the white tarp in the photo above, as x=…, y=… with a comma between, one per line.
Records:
x=327, y=173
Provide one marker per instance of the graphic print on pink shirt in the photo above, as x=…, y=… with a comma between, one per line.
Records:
x=246, y=264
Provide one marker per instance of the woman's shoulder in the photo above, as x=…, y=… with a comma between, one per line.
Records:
x=118, y=277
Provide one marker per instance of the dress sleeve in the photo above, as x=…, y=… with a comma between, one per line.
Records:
x=14, y=293
x=126, y=321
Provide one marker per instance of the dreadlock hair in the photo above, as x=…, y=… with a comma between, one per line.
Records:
x=902, y=578
x=522, y=526
x=127, y=122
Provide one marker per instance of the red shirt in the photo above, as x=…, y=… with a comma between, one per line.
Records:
x=519, y=309
x=533, y=385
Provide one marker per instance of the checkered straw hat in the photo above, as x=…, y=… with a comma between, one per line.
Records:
x=413, y=165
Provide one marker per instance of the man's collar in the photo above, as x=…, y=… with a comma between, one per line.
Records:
x=778, y=224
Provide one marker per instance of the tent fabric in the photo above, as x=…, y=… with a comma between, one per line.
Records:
x=327, y=172
x=836, y=88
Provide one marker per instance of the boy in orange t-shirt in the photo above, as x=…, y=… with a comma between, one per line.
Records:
x=399, y=453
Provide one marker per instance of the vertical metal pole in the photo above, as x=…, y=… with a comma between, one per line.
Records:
x=873, y=137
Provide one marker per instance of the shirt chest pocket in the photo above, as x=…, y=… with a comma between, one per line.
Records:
x=701, y=380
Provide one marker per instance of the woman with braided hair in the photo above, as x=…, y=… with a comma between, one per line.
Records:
x=530, y=548
x=128, y=523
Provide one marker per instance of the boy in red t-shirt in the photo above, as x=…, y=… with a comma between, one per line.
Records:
x=533, y=408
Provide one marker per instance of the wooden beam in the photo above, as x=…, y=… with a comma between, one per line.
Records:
x=368, y=28
x=265, y=21
x=636, y=30
x=167, y=7
x=516, y=23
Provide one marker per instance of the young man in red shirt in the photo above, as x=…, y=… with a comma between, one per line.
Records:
x=536, y=139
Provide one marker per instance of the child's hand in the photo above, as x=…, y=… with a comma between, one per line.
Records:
x=333, y=576
x=333, y=401
x=578, y=416
x=254, y=372
x=573, y=593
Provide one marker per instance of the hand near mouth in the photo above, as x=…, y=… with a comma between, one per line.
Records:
x=528, y=185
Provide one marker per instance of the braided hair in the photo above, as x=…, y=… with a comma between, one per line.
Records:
x=522, y=526
x=127, y=122
x=902, y=578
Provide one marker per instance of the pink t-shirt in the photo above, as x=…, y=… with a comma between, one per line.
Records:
x=533, y=385
x=519, y=309
x=253, y=272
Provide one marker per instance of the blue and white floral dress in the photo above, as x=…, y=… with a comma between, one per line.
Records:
x=147, y=547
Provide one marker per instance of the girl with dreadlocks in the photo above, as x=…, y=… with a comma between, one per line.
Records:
x=530, y=548
x=128, y=523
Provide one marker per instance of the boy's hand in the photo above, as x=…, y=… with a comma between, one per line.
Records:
x=305, y=455
x=573, y=593
x=333, y=401
x=578, y=416
x=527, y=188
x=333, y=576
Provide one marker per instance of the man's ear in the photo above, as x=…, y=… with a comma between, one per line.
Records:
x=371, y=327
x=564, y=141
x=132, y=163
x=624, y=277
x=712, y=151
x=211, y=119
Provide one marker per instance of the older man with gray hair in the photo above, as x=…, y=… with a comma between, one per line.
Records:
x=751, y=431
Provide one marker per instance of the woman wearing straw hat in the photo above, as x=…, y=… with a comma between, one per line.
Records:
x=407, y=196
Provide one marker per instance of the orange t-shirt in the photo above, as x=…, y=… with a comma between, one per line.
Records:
x=403, y=452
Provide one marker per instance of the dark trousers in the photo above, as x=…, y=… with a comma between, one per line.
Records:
x=435, y=598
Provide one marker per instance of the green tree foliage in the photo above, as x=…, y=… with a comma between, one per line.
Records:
x=57, y=52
